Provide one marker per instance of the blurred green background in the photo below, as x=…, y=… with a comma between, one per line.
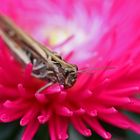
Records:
x=13, y=131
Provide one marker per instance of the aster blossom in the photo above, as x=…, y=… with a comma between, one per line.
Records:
x=90, y=34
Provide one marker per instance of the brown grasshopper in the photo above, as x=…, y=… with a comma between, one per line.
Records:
x=47, y=65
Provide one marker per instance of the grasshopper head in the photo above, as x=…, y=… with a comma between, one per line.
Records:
x=70, y=76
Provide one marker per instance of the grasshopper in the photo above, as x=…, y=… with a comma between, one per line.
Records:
x=47, y=65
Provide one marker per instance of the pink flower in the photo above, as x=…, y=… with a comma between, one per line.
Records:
x=91, y=34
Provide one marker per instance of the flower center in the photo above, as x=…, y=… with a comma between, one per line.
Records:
x=57, y=35
x=70, y=34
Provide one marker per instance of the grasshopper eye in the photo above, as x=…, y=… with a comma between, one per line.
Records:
x=66, y=70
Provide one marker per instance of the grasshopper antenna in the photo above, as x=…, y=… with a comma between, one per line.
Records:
x=89, y=70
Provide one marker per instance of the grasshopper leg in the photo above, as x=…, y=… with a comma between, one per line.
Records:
x=44, y=87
